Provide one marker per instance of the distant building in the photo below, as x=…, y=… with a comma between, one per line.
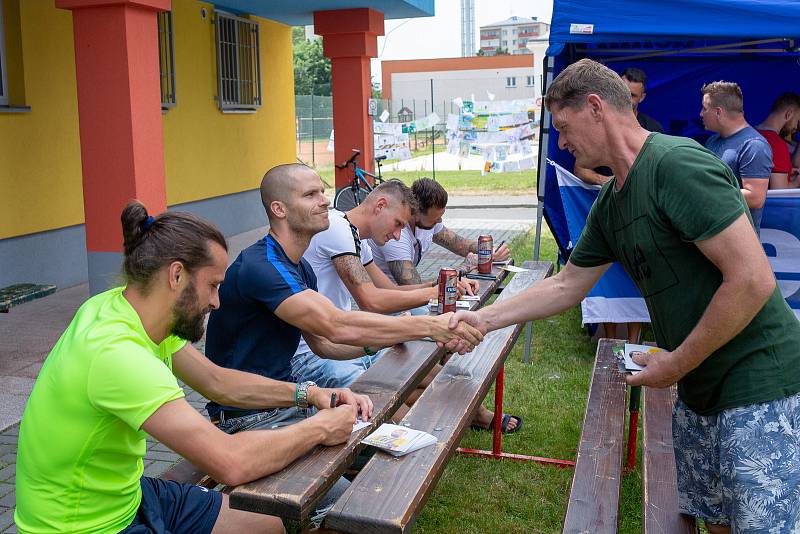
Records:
x=407, y=82
x=511, y=34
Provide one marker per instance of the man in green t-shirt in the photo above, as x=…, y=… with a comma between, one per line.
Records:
x=109, y=382
x=675, y=219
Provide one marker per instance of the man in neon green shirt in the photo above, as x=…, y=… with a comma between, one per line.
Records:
x=109, y=381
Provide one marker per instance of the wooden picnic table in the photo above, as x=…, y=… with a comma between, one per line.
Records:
x=293, y=492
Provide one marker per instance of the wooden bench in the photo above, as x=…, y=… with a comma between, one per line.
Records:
x=293, y=492
x=16, y=294
x=594, y=498
x=389, y=492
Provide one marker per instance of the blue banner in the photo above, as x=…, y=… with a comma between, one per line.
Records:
x=614, y=298
x=780, y=236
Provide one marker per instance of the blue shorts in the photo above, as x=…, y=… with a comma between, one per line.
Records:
x=330, y=373
x=173, y=508
x=740, y=467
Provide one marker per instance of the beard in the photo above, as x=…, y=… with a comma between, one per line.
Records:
x=188, y=317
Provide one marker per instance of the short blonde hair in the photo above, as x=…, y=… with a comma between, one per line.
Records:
x=725, y=95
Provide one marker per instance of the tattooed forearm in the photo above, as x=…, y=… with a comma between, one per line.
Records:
x=404, y=272
x=351, y=271
x=454, y=242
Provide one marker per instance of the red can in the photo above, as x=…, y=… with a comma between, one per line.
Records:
x=485, y=250
x=448, y=290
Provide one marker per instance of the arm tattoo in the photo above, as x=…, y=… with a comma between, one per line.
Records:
x=404, y=272
x=454, y=242
x=351, y=271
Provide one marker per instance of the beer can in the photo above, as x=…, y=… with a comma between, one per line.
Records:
x=448, y=290
x=485, y=250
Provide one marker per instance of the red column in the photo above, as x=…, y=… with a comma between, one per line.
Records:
x=119, y=107
x=350, y=39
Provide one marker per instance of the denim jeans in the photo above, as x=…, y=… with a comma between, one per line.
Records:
x=330, y=373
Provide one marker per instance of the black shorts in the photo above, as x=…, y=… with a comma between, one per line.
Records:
x=171, y=508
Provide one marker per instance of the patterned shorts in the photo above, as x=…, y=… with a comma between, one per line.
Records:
x=741, y=467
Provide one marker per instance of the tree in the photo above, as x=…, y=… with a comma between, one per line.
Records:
x=500, y=51
x=312, y=70
x=480, y=52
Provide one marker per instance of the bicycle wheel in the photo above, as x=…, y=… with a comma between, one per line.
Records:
x=346, y=199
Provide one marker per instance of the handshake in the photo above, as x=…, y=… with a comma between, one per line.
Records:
x=457, y=332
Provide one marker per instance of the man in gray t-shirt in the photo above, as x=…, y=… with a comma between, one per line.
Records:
x=738, y=144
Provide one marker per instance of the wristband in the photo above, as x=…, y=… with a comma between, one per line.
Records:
x=369, y=352
x=301, y=394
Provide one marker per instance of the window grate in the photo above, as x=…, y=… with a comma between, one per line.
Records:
x=166, y=60
x=238, y=62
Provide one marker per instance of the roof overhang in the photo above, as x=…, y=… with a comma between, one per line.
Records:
x=301, y=12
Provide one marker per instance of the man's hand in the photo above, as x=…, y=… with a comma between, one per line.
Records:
x=336, y=424
x=470, y=262
x=461, y=338
x=321, y=399
x=467, y=286
x=471, y=318
x=501, y=253
x=661, y=369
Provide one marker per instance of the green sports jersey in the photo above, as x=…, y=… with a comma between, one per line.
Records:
x=80, y=442
x=678, y=193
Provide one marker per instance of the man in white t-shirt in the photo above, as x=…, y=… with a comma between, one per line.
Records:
x=398, y=260
x=343, y=265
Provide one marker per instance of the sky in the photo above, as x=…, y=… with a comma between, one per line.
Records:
x=440, y=35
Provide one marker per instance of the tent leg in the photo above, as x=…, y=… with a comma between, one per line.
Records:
x=536, y=243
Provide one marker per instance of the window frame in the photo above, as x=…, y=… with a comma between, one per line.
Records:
x=530, y=81
x=511, y=81
x=3, y=62
x=236, y=83
x=169, y=97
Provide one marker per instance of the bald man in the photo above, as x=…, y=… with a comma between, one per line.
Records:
x=269, y=298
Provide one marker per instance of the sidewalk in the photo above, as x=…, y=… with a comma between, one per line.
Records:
x=28, y=332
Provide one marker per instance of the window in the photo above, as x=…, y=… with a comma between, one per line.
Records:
x=504, y=43
x=530, y=81
x=511, y=81
x=238, y=63
x=166, y=59
x=3, y=73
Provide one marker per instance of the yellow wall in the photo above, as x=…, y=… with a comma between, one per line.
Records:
x=40, y=163
x=207, y=153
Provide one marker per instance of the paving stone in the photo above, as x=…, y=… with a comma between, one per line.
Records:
x=9, y=500
x=156, y=468
x=6, y=488
x=9, y=458
x=163, y=456
x=158, y=446
x=9, y=440
x=8, y=473
x=6, y=518
x=11, y=530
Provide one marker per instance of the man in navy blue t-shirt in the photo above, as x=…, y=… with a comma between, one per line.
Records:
x=269, y=298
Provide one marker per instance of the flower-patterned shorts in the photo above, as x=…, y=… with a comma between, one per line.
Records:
x=741, y=467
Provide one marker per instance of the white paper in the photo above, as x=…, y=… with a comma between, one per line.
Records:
x=384, y=115
x=458, y=102
x=360, y=424
x=513, y=269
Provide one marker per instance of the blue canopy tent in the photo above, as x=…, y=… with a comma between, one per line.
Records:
x=680, y=44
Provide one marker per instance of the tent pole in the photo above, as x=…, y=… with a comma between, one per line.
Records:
x=541, y=172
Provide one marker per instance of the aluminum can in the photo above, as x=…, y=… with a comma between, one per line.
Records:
x=485, y=250
x=448, y=290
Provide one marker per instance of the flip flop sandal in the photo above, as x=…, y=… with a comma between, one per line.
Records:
x=503, y=424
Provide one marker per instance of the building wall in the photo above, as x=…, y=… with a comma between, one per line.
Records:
x=488, y=65
x=213, y=160
x=462, y=83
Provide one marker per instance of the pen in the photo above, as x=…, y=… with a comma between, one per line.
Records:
x=500, y=244
x=333, y=400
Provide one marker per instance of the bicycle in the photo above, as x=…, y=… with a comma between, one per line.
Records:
x=350, y=196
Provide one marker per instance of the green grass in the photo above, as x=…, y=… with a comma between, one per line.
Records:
x=463, y=182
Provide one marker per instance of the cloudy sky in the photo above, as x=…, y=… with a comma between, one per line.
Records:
x=440, y=35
